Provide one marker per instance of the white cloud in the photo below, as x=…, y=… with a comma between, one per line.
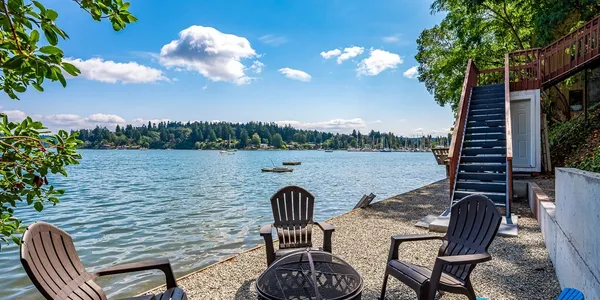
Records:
x=257, y=67
x=105, y=119
x=336, y=125
x=15, y=115
x=393, y=39
x=216, y=55
x=419, y=129
x=112, y=72
x=331, y=53
x=411, y=73
x=273, y=40
x=378, y=61
x=295, y=74
x=350, y=52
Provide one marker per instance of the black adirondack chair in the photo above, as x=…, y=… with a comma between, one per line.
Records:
x=48, y=256
x=293, y=209
x=474, y=222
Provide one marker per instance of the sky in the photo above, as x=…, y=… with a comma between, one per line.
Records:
x=334, y=65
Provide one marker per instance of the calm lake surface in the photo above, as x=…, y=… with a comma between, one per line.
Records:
x=197, y=207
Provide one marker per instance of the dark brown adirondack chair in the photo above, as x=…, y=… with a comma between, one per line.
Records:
x=48, y=256
x=474, y=222
x=293, y=209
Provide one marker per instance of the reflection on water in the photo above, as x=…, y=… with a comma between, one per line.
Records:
x=197, y=207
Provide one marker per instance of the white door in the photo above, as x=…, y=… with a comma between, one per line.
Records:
x=521, y=133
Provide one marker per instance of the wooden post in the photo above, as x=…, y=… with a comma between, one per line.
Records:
x=585, y=93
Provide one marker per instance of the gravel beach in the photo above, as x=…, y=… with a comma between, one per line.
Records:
x=520, y=268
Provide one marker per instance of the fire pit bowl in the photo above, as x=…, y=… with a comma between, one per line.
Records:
x=309, y=275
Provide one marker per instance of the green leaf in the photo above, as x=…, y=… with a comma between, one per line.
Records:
x=34, y=37
x=51, y=50
x=62, y=80
x=38, y=206
x=125, y=6
x=19, y=88
x=51, y=14
x=16, y=240
x=14, y=62
x=51, y=36
x=131, y=18
x=37, y=87
x=39, y=6
x=71, y=69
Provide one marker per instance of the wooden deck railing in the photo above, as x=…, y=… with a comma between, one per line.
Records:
x=571, y=53
x=460, y=124
x=490, y=76
x=508, y=129
x=524, y=70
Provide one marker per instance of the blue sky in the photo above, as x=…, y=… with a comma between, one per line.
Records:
x=241, y=61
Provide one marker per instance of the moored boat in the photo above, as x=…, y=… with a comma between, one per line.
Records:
x=277, y=169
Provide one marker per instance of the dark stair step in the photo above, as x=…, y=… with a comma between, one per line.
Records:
x=497, y=187
x=494, y=123
x=491, y=111
x=477, y=106
x=482, y=167
x=486, y=117
x=484, y=159
x=490, y=86
x=485, y=136
x=480, y=151
x=499, y=129
x=498, y=198
x=481, y=176
x=494, y=99
x=484, y=144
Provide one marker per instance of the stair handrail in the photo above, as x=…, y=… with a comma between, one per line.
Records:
x=459, y=127
x=508, y=129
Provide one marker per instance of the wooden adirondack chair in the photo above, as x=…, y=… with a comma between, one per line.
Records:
x=48, y=256
x=293, y=209
x=474, y=222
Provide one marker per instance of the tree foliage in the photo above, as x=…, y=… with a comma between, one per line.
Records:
x=29, y=55
x=177, y=135
x=484, y=30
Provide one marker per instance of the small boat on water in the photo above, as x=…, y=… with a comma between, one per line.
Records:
x=291, y=163
x=277, y=169
x=328, y=150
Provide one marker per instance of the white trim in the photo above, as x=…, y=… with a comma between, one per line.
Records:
x=534, y=100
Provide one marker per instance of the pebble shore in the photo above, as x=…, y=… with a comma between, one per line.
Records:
x=520, y=269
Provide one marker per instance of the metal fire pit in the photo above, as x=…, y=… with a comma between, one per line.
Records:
x=309, y=275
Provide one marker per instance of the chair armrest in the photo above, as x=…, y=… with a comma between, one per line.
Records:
x=325, y=226
x=158, y=264
x=328, y=230
x=267, y=233
x=399, y=239
x=464, y=259
x=266, y=230
x=442, y=261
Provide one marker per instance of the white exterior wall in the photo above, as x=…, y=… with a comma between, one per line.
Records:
x=536, y=147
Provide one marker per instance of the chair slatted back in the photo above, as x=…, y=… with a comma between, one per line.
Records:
x=48, y=256
x=293, y=209
x=474, y=222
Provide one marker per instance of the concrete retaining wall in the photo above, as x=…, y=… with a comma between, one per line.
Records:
x=571, y=228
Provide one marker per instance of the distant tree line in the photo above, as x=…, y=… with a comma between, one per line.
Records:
x=252, y=135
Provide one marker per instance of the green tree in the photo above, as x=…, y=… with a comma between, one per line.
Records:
x=29, y=151
x=277, y=141
x=243, y=143
x=212, y=136
x=256, y=139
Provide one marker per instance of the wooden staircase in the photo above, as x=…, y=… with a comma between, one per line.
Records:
x=480, y=154
x=482, y=161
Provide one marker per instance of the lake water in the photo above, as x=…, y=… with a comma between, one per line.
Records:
x=198, y=207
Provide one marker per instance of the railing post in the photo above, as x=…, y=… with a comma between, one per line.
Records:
x=509, y=151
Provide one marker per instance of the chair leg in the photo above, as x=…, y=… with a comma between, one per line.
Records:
x=385, y=280
x=471, y=291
